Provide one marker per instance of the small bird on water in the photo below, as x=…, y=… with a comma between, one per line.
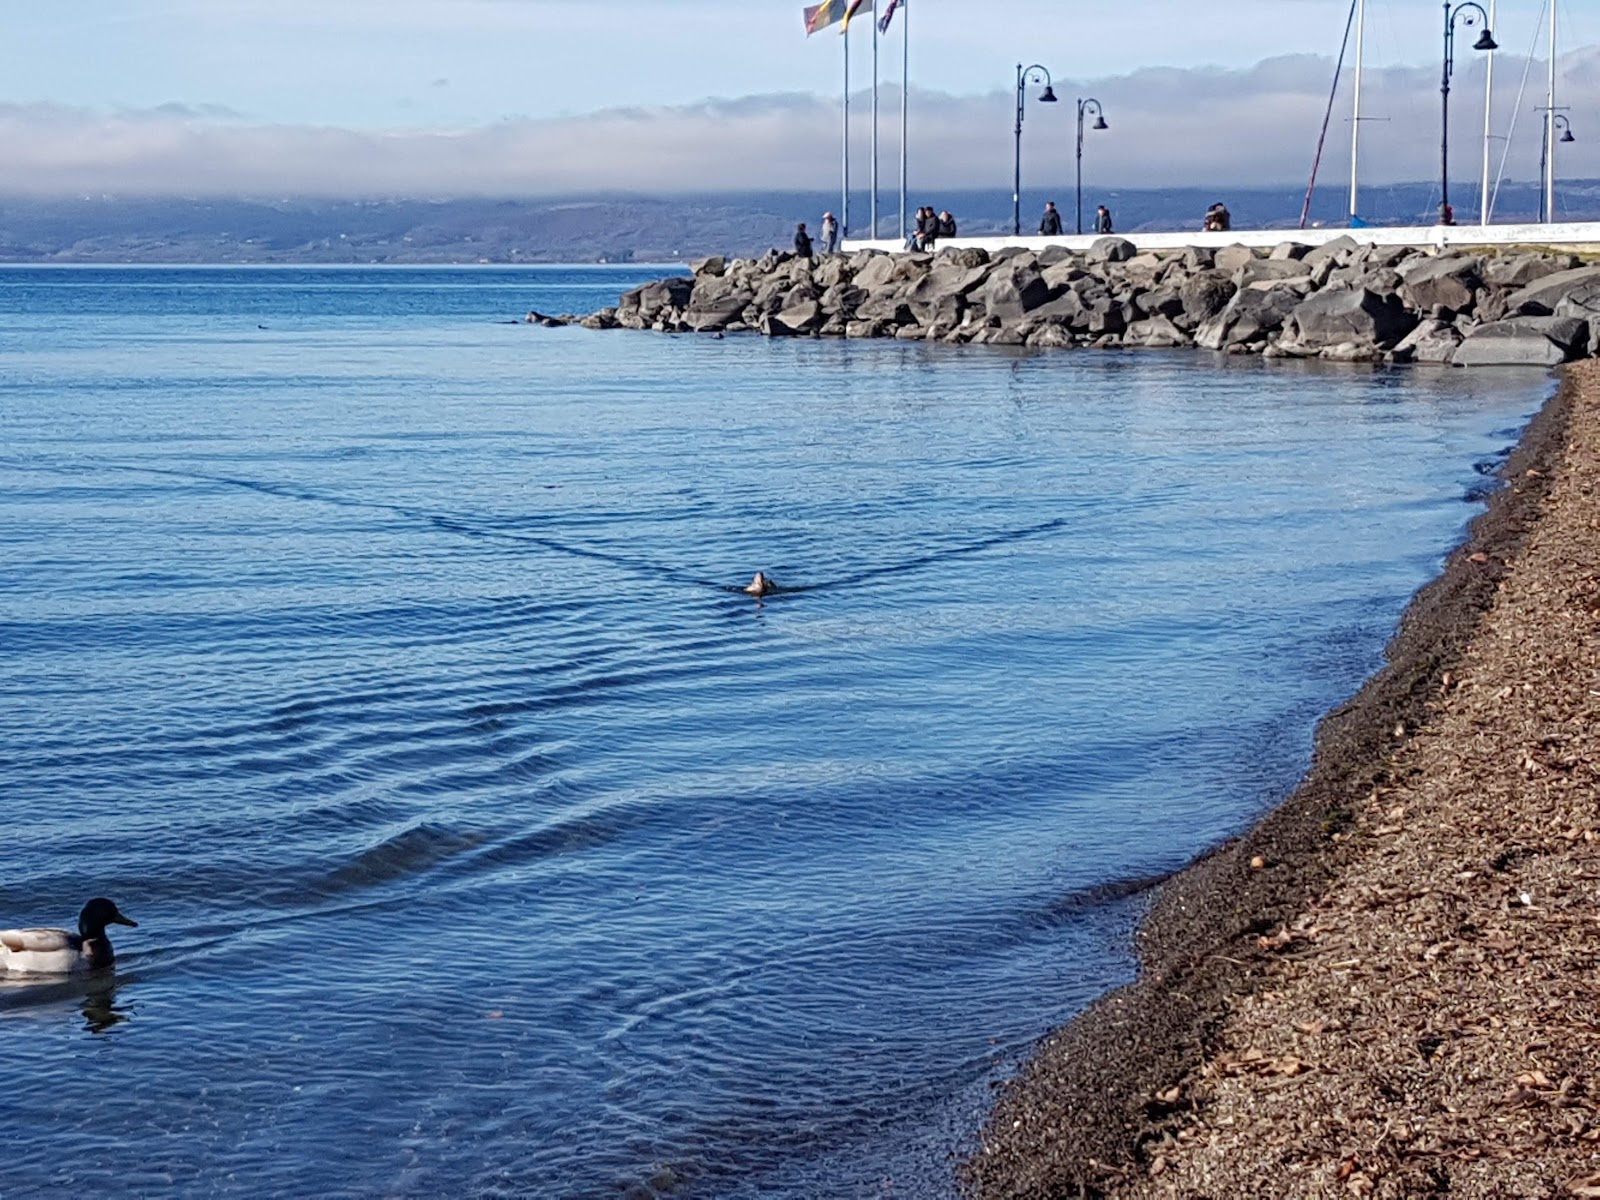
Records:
x=761, y=586
x=60, y=951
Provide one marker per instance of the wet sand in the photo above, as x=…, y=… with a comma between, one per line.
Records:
x=1390, y=986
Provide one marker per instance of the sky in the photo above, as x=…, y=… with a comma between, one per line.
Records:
x=541, y=97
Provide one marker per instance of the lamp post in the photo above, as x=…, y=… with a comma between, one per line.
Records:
x=1025, y=76
x=1547, y=153
x=1087, y=106
x=1485, y=42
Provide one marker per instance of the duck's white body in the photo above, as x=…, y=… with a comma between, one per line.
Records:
x=46, y=952
x=60, y=951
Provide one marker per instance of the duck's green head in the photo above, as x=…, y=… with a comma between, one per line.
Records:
x=99, y=913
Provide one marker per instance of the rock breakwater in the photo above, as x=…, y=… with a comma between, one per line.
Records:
x=1343, y=300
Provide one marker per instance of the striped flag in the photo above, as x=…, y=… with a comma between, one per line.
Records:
x=888, y=16
x=831, y=12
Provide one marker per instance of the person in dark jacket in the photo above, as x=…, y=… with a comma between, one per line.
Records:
x=802, y=241
x=1050, y=226
x=1102, y=220
x=947, y=224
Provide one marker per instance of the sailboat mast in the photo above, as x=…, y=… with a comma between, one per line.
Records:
x=1550, y=127
x=1488, y=122
x=1355, y=120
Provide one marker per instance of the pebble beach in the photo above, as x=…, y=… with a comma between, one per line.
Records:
x=1391, y=986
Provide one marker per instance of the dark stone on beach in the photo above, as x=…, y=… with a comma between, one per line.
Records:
x=1051, y=255
x=1204, y=296
x=715, y=315
x=1339, y=248
x=1269, y=269
x=794, y=320
x=1110, y=250
x=1451, y=281
x=1231, y=258
x=1524, y=342
x=1520, y=270
x=1542, y=297
x=1249, y=317
x=716, y=264
x=1288, y=252
x=1432, y=341
x=1013, y=290
x=965, y=257
x=1329, y=319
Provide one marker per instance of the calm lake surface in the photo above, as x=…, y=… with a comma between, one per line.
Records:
x=384, y=661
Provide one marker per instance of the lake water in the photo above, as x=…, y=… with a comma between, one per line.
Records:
x=382, y=658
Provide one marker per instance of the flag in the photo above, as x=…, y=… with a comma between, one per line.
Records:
x=831, y=12
x=888, y=16
x=820, y=16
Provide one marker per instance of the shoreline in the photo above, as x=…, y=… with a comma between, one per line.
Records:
x=1127, y=1098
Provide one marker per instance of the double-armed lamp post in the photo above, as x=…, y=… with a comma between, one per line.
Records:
x=1485, y=41
x=1087, y=106
x=1025, y=76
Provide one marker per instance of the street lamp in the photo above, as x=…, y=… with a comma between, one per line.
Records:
x=1085, y=106
x=1485, y=42
x=1547, y=206
x=1025, y=76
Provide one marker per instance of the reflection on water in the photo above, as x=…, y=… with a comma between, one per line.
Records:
x=391, y=664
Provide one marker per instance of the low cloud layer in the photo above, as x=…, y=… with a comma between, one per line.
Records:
x=1168, y=127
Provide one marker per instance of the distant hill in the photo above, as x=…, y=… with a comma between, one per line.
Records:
x=636, y=229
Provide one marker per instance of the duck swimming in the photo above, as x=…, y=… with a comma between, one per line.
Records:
x=59, y=951
x=761, y=585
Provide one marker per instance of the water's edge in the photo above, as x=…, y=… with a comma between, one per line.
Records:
x=1081, y=1110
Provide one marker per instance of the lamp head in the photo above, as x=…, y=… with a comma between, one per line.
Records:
x=1485, y=41
x=1566, y=136
x=1049, y=96
x=1100, y=123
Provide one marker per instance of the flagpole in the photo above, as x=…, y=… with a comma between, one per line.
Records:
x=874, y=17
x=905, y=92
x=844, y=202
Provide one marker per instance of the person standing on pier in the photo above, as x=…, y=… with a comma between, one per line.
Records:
x=1102, y=220
x=1050, y=226
x=802, y=241
x=830, y=233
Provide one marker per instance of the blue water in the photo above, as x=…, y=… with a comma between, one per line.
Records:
x=384, y=660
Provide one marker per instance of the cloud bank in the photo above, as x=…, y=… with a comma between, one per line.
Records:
x=1201, y=127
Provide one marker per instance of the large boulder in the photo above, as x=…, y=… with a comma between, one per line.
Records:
x=1332, y=318
x=652, y=299
x=1431, y=342
x=965, y=257
x=1542, y=297
x=1449, y=281
x=1231, y=258
x=1013, y=290
x=1524, y=342
x=1289, y=250
x=1519, y=270
x=715, y=315
x=716, y=264
x=1204, y=295
x=1269, y=269
x=1331, y=251
x=1249, y=318
x=802, y=318
x=1110, y=250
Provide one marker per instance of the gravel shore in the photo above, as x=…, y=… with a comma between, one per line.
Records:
x=1391, y=986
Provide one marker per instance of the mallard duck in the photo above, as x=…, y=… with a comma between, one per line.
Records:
x=761, y=585
x=59, y=951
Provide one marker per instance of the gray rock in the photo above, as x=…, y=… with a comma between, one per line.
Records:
x=805, y=317
x=1013, y=290
x=1050, y=337
x=1519, y=270
x=1289, y=251
x=1231, y=258
x=1204, y=296
x=1199, y=258
x=1052, y=255
x=1331, y=251
x=1269, y=269
x=715, y=265
x=1451, y=280
x=1431, y=342
x=1060, y=274
x=1110, y=250
x=715, y=315
x=1156, y=332
x=1524, y=342
x=1542, y=297
x=1330, y=318
x=1249, y=318
x=1146, y=263
x=965, y=257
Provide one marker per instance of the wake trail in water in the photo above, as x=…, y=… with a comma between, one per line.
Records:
x=468, y=527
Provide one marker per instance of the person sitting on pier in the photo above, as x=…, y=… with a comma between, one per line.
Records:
x=802, y=241
x=1050, y=225
x=1218, y=218
x=947, y=224
x=927, y=227
x=1447, y=214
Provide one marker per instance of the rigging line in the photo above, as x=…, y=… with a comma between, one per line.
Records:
x=1516, y=111
x=1333, y=94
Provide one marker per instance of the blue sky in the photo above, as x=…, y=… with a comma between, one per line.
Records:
x=335, y=90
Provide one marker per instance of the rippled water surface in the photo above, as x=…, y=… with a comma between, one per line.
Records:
x=384, y=660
